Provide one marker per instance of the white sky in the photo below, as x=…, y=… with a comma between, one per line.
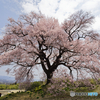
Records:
x=61, y=9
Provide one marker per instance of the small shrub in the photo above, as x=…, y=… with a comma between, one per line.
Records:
x=92, y=81
x=34, y=85
x=38, y=88
x=37, y=97
x=6, y=97
x=30, y=94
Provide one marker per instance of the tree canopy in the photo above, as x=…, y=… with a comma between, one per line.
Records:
x=35, y=39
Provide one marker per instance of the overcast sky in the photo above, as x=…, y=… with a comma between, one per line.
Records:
x=59, y=9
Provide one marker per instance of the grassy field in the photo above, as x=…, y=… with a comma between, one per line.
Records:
x=37, y=91
x=33, y=96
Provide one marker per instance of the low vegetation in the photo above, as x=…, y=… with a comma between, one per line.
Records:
x=39, y=91
x=7, y=86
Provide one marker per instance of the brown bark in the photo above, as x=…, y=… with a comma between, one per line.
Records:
x=49, y=77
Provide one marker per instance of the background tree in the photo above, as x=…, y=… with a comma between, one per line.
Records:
x=38, y=40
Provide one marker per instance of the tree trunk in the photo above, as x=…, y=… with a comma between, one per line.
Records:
x=49, y=77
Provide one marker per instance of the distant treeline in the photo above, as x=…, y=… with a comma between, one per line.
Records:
x=10, y=86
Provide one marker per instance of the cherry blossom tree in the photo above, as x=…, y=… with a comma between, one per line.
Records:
x=38, y=40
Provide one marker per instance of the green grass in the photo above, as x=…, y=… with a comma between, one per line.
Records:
x=37, y=91
x=26, y=96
